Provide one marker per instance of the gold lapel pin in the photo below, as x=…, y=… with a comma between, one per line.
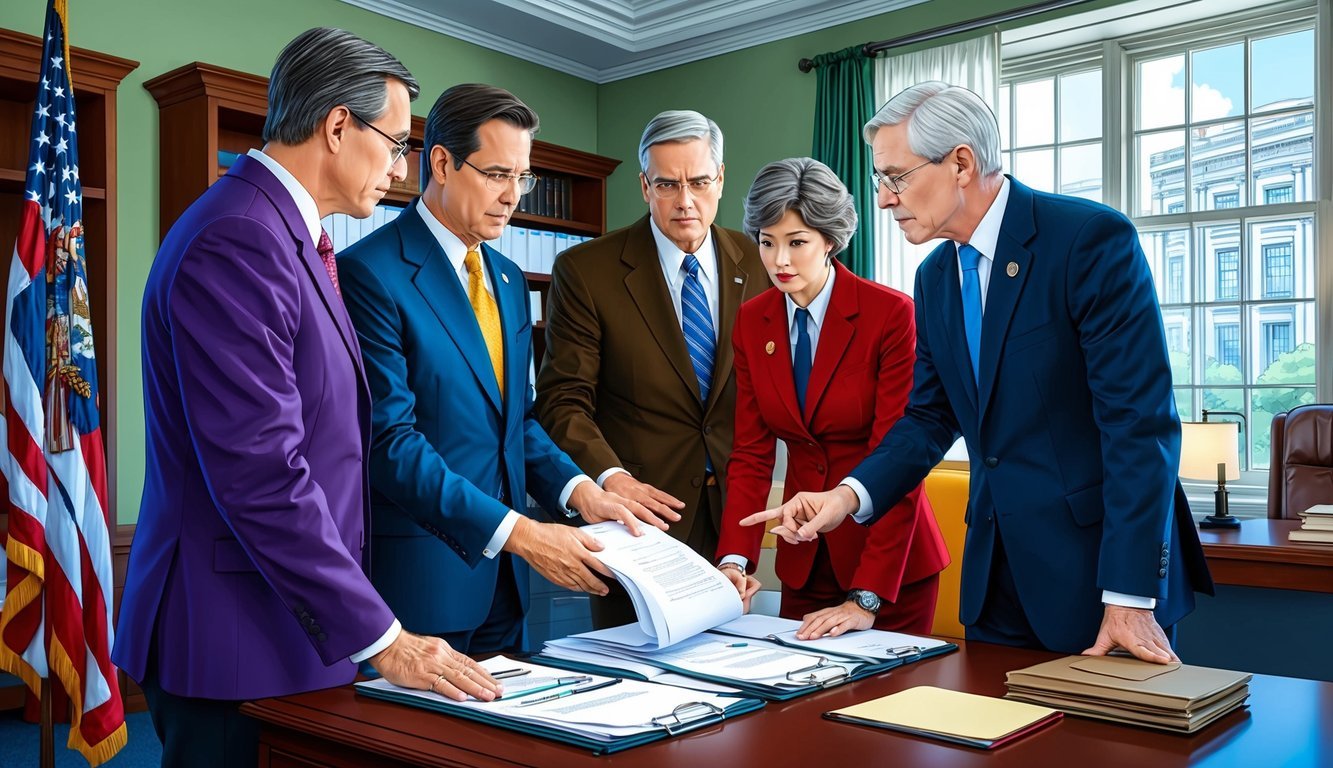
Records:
x=769, y=347
x=505, y=277
x=1012, y=269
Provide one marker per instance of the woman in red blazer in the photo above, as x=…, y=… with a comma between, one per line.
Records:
x=830, y=393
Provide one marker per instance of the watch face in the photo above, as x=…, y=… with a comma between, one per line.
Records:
x=868, y=600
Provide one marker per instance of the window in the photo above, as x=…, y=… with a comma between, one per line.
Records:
x=1277, y=341
x=1279, y=194
x=1278, y=274
x=1226, y=199
x=1052, y=139
x=1228, y=274
x=1228, y=344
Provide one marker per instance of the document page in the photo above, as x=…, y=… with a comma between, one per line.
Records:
x=676, y=593
x=866, y=643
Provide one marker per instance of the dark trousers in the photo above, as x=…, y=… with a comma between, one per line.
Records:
x=616, y=608
x=913, y=612
x=502, y=630
x=199, y=733
x=1003, y=621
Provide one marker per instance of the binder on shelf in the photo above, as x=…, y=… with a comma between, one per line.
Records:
x=629, y=715
x=548, y=251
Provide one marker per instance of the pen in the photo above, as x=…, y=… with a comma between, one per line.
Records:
x=570, y=692
x=559, y=681
x=508, y=673
x=737, y=645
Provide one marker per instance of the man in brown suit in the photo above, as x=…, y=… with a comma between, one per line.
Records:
x=637, y=385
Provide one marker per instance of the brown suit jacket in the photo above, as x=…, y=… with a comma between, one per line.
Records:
x=616, y=387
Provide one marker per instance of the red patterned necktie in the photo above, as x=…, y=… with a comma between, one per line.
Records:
x=325, y=249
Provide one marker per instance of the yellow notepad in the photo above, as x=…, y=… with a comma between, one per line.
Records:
x=961, y=718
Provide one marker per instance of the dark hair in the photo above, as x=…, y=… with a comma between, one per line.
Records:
x=321, y=69
x=461, y=110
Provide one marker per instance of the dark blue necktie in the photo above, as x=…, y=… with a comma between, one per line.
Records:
x=967, y=260
x=801, y=364
x=697, y=324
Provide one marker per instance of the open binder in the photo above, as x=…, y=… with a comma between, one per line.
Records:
x=613, y=716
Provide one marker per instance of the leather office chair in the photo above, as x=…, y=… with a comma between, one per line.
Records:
x=1300, y=474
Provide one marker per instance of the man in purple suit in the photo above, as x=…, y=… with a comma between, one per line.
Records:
x=247, y=573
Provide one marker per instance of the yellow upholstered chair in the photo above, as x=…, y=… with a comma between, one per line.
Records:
x=946, y=487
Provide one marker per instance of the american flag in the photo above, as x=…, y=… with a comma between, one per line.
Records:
x=56, y=619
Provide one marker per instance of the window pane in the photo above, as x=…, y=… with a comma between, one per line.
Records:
x=1266, y=403
x=1167, y=251
x=1221, y=257
x=1185, y=403
x=1176, y=322
x=1003, y=117
x=1036, y=168
x=1081, y=106
x=1161, y=173
x=1217, y=166
x=1222, y=346
x=1282, y=158
x=1282, y=71
x=1283, y=343
x=1282, y=259
x=1007, y=162
x=1081, y=171
x=1035, y=109
x=1219, y=82
x=1161, y=92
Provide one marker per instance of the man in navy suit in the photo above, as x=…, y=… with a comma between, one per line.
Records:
x=1040, y=342
x=444, y=325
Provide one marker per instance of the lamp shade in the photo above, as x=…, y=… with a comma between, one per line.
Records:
x=1205, y=445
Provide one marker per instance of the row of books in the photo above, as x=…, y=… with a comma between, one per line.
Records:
x=1316, y=525
x=552, y=197
x=534, y=250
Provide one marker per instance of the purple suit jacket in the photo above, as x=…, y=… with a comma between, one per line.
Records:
x=247, y=568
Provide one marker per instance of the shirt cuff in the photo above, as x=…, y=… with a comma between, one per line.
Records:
x=498, y=539
x=743, y=562
x=1128, y=601
x=863, y=514
x=385, y=641
x=569, y=491
x=602, y=478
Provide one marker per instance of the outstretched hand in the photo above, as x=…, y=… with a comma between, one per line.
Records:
x=806, y=515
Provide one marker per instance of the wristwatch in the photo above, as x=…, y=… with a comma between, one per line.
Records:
x=866, y=599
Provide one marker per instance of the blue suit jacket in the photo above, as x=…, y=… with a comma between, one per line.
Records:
x=1070, y=425
x=449, y=455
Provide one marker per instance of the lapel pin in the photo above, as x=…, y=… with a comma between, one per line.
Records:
x=769, y=347
x=1012, y=269
x=505, y=277
x=738, y=280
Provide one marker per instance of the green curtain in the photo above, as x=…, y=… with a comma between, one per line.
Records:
x=844, y=95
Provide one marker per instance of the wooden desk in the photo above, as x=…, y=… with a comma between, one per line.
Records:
x=1286, y=726
x=1259, y=555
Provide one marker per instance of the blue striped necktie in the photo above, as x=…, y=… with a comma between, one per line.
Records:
x=697, y=323
x=968, y=257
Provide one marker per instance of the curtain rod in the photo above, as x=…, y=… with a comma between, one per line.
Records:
x=871, y=50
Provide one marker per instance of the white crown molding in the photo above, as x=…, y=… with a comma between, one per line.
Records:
x=642, y=31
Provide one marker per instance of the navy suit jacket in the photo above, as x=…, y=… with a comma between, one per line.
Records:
x=449, y=455
x=1070, y=424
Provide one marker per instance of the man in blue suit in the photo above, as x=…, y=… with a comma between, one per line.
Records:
x=445, y=330
x=1040, y=342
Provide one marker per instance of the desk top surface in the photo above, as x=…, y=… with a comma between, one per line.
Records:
x=1264, y=540
x=1287, y=725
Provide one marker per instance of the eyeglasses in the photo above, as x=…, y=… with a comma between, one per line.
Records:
x=400, y=148
x=895, y=184
x=666, y=190
x=497, y=180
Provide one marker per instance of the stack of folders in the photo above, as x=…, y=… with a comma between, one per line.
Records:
x=603, y=714
x=1316, y=525
x=958, y=718
x=1170, y=697
x=758, y=655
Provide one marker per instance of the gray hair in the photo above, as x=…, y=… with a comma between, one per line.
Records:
x=679, y=126
x=940, y=117
x=808, y=187
x=323, y=68
x=462, y=109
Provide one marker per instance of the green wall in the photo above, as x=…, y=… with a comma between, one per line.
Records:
x=164, y=35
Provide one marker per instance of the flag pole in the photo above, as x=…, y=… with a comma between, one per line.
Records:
x=48, y=736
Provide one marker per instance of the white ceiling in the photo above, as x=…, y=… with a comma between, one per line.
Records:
x=605, y=40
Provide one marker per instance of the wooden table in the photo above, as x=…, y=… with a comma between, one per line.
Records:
x=1258, y=555
x=1287, y=725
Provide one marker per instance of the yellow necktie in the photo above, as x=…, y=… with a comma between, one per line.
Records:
x=488, y=315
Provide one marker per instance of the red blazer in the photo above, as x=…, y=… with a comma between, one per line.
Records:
x=859, y=384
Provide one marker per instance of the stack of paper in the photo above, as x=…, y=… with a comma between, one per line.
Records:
x=1170, y=697
x=952, y=716
x=1316, y=525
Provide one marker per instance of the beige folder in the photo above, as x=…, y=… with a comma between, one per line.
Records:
x=961, y=718
x=1175, y=687
x=1180, y=722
